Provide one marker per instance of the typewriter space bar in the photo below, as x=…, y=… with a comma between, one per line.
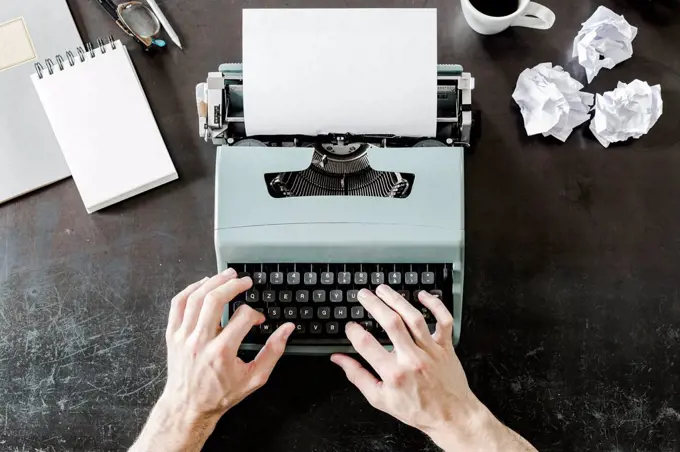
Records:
x=320, y=341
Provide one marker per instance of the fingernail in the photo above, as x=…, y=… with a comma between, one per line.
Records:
x=364, y=293
x=349, y=323
x=287, y=334
x=205, y=279
x=229, y=272
x=381, y=290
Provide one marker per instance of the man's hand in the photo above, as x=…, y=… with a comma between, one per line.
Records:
x=422, y=382
x=205, y=377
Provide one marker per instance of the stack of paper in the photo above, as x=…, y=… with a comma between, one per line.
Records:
x=30, y=31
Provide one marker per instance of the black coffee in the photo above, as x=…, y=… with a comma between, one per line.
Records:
x=496, y=8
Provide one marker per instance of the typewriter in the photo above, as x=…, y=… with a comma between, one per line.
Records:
x=314, y=219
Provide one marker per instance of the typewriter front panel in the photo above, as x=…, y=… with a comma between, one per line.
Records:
x=243, y=197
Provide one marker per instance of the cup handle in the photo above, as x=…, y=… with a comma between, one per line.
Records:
x=544, y=17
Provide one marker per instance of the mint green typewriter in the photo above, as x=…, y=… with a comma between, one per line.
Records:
x=320, y=217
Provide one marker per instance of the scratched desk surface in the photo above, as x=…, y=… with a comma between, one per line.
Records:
x=572, y=311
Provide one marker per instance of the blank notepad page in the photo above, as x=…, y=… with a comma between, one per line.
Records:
x=105, y=127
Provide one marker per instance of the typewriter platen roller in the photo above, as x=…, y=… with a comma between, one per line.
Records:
x=221, y=118
x=339, y=198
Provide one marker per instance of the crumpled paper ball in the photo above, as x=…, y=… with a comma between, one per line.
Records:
x=551, y=101
x=605, y=40
x=629, y=111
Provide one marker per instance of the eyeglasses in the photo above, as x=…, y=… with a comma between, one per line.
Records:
x=137, y=20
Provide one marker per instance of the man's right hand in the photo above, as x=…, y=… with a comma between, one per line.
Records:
x=422, y=382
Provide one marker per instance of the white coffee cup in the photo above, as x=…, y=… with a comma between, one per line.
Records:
x=528, y=14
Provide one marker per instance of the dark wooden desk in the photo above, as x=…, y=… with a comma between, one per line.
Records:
x=572, y=311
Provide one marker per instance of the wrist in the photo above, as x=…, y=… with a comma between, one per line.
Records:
x=475, y=429
x=178, y=416
x=173, y=427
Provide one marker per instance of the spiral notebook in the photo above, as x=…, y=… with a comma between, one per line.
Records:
x=103, y=123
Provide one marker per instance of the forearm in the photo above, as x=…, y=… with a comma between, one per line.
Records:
x=522, y=444
x=482, y=432
x=173, y=430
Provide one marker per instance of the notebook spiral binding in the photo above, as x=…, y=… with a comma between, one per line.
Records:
x=50, y=67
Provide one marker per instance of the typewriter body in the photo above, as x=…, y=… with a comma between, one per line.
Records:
x=313, y=219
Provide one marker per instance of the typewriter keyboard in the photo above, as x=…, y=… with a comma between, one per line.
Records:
x=321, y=298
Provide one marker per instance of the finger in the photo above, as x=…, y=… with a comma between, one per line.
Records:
x=443, y=335
x=263, y=364
x=215, y=301
x=368, y=347
x=369, y=386
x=410, y=315
x=195, y=301
x=179, y=304
x=390, y=320
x=240, y=324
